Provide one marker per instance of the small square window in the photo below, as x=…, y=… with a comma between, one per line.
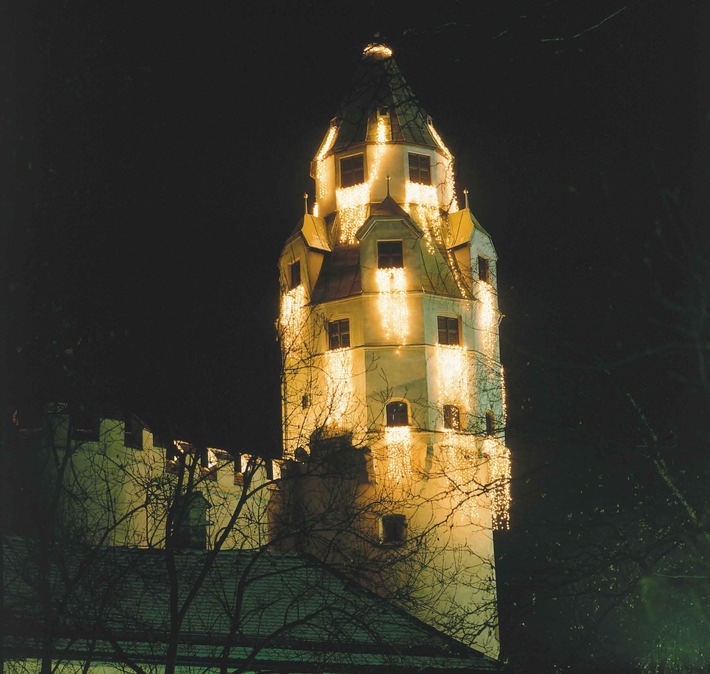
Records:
x=448, y=330
x=452, y=418
x=397, y=414
x=419, y=168
x=339, y=334
x=352, y=170
x=389, y=254
x=484, y=269
x=490, y=423
x=294, y=275
x=393, y=529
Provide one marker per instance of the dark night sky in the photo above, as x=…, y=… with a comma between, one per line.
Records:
x=158, y=153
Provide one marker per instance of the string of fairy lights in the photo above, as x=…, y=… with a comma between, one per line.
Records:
x=392, y=303
x=338, y=369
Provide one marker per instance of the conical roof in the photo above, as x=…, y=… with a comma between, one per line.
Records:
x=380, y=88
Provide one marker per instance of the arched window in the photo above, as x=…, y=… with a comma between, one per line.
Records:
x=452, y=417
x=397, y=413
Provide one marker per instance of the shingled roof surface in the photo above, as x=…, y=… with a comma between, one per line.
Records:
x=339, y=276
x=272, y=609
x=378, y=84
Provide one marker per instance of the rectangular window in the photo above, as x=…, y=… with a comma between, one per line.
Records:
x=448, y=330
x=389, y=254
x=452, y=418
x=294, y=275
x=352, y=170
x=484, y=269
x=419, y=168
x=393, y=529
x=339, y=334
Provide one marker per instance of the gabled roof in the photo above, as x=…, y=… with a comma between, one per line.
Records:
x=378, y=85
x=462, y=224
x=285, y=612
x=315, y=232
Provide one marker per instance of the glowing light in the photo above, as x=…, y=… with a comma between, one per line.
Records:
x=352, y=202
x=321, y=175
x=315, y=209
x=460, y=455
x=377, y=50
x=452, y=380
x=293, y=319
x=422, y=203
x=449, y=188
x=488, y=316
x=338, y=376
x=503, y=398
x=398, y=443
x=392, y=302
x=499, y=478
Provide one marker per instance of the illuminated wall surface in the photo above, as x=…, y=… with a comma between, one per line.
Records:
x=434, y=471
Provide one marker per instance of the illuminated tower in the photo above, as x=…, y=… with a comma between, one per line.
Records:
x=389, y=330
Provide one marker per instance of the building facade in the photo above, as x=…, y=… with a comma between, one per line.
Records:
x=389, y=334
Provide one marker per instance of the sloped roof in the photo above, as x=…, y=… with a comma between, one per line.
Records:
x=378, y=84
x=315, y=232
x=339, y=276
x=461, y=227
x=277, y=609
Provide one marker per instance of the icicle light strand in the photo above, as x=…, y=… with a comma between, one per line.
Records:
x=392, y=301
x=338, y=376
x=453, y=379
x=398, y=446
x=499, y=476
x=292, y=319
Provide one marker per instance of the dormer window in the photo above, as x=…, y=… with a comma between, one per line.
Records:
x=352, y=170
x=419, y=168
x=294, y=275
x=389, y=254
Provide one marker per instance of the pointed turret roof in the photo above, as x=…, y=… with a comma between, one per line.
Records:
x=379, y=87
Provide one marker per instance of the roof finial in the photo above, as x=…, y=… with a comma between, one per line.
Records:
x=305, y=202
x=388, y=184
x=465, y=196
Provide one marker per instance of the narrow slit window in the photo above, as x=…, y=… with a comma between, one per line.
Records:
x=490, y=423
x=484, y=269
x=294, y=274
